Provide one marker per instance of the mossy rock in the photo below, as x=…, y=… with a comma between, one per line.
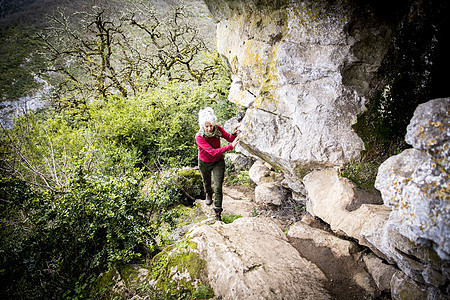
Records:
x=121, y=282
x=191, y=185
x=179, y=272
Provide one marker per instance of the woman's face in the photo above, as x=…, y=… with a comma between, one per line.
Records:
x=209, y=127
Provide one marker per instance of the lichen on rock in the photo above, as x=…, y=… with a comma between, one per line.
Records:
x=178, y=270
x=415, y=183
x=290, y=61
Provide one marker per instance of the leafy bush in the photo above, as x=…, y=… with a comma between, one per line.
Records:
x=43, y=149
x=159, y=126
x=95, y=222
x=80, y=206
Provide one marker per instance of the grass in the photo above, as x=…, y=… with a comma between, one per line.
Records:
x=229, y=218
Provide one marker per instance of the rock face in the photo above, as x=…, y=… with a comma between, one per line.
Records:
x=416, y=182
x=252, y=259
x=411, y=230
x=329, y=196
x=288, y=67
x=303, y=70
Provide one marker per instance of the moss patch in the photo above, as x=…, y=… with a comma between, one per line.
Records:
x=363, y=174
x=178, y=271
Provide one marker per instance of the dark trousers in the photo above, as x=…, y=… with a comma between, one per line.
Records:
x=217, y=169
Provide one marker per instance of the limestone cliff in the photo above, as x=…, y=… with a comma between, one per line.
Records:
x=306, y=73
x=305, y=70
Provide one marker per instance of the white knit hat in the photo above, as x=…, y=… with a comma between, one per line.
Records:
x=206, y=115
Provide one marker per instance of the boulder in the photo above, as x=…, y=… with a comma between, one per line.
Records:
x=329, y=196
x=415, y=182
x=381, y=272
x=261, y=172
x=375, y=226
x=271, y=193
x=419, y=197
x=320, y=238
x=251, y=258
x=239, y=161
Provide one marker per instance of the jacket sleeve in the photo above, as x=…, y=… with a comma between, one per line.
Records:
x=209, y=149
x=228, y=136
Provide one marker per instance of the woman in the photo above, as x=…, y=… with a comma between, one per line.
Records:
x=210, y=155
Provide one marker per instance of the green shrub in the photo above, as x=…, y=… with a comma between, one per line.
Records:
x=48, y=148
x=203, y=292
x=159, y=126
x=95, y=222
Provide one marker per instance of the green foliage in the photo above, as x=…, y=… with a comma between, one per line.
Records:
x=156, y=128
x=181, y=258
x=159, y=125
x=255, y=213
x=14, y=193
x=80, y=206
x=49, y=149
x=363, y=174
x=239, y=178
x=20, y=61
x=229, y=218
x=203, y=292
x=91, y=224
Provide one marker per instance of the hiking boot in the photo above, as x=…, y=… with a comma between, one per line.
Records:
x=209, y=200
x=218, y=211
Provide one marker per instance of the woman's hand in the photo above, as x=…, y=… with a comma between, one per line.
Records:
x=235, y=128
x=235, y=142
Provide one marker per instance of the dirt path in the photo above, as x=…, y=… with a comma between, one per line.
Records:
x=235, y=202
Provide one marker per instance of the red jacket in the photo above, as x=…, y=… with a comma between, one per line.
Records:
x=209, y=148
